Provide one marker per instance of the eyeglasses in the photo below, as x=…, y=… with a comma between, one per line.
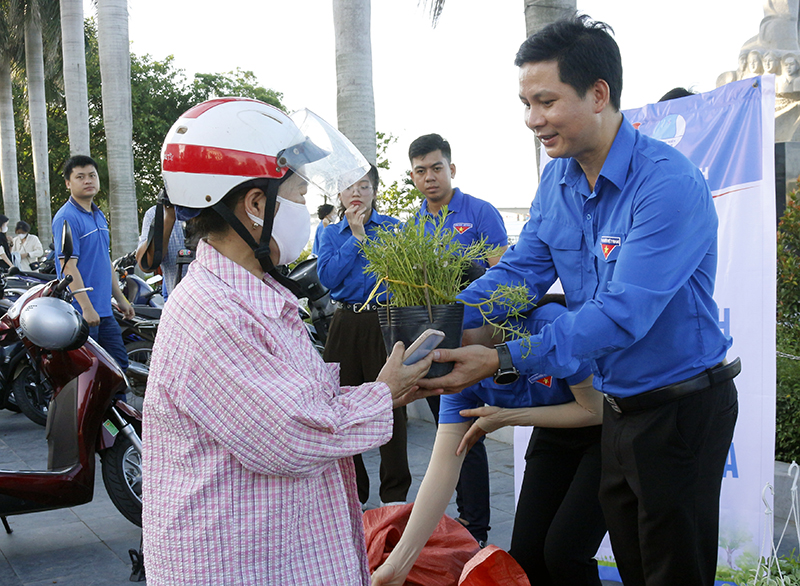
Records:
x=363, y=188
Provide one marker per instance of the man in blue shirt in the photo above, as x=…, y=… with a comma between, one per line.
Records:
x=628, y=225
x=90, y=264
x=472, y=219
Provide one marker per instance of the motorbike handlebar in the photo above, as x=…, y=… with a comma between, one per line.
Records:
x=62, y=285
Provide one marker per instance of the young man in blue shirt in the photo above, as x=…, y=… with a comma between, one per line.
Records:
x=90, y=265
x=628, y=225
x=472, y=219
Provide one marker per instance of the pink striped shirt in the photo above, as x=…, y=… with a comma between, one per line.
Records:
x=247, y=441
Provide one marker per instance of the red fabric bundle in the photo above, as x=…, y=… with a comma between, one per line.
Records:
x=442, y=559
x=493, y=567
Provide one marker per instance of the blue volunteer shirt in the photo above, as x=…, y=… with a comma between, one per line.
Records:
x=341, y=264
x=532, y=390
x=90, y=246
x=471, y=219
x=637, y=258
x=317, y=238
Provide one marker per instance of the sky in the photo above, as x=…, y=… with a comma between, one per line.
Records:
x=458, y=79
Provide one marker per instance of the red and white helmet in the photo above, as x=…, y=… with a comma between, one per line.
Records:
x=222, y=143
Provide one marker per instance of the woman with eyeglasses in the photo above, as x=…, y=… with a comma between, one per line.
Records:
x=355, y=340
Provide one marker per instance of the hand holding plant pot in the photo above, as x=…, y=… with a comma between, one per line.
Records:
x=424, y=271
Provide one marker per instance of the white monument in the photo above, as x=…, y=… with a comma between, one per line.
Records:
x=775, y=49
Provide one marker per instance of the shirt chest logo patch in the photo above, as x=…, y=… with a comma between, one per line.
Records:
x=542, y=380
x=609, y=243
x=462, y=227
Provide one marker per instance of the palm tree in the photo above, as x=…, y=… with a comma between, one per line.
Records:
x=355, y=100
x=539, y=13
x=75, y=90
x=37, y=107
x=9, y=176
x=115, y=72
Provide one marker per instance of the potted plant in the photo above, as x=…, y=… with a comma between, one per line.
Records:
x=423, y=272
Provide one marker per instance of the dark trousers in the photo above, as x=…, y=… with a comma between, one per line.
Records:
x=559, y=524
x=356, y=343
x=660, y=486
x=109, y=335
x=472, y=490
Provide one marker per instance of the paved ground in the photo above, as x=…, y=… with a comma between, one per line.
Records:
x=88, y=545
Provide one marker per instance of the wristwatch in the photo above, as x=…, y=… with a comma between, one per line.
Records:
x=506, y=374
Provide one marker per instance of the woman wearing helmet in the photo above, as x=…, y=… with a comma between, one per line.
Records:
x=248, y=475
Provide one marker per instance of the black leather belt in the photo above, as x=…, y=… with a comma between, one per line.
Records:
x=649, y=399
x=356, y=307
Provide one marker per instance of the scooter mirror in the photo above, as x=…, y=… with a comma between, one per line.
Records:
x=66, y=244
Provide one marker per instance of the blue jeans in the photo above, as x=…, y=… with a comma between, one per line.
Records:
x=109, y=336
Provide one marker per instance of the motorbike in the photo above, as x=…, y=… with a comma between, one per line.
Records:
x=139, y=335
x=83, y=419
x=320, y=310
x=136, y=290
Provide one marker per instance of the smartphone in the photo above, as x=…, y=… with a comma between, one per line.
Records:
x=419, y=349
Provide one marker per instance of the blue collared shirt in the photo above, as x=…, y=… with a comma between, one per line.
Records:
x=531, y=390
x=472, y=219
x=90, y=246
x=637, y=258
x=341, y=264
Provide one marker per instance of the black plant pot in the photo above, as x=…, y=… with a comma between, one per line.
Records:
x=405, y=324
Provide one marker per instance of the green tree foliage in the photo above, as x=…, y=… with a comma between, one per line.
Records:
x=160, y=93
x=787, y=429
x=400, y=199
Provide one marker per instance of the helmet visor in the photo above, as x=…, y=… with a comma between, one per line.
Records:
x=322, y=155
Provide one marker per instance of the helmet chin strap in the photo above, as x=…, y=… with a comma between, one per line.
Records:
x=261, y=250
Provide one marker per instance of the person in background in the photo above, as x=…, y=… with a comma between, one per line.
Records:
x=355, y=340
x=472, y=219
x=26, y=245
x=248, y=436
x=558, y=524
x=327, y=215
x=173, y=236
x=90, y=265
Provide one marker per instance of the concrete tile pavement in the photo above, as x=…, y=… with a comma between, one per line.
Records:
x=88, y=545
x=81, y=546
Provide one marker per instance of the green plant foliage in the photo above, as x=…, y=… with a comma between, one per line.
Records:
x=787, y=428
x=421, y=268
x=783, y=571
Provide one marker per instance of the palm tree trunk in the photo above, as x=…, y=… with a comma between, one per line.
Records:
x=355, y=101
x=539, y=13
x=72, y=44
x=8, y=143
x=37, y=112
x=115, y=73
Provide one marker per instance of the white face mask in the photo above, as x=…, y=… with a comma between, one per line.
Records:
x=291, y=229
x=4, y=229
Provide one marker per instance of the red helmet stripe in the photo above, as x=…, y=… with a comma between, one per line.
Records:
x=206, y=160
x=195, y=111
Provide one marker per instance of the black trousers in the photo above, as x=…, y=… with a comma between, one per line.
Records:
x=559, y=524
x=472, y=489
x=356, y=343
x=660, y=486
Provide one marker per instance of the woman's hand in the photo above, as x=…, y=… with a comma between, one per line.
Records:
x=487, y=422
x=402, y=380
x=355, y=219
